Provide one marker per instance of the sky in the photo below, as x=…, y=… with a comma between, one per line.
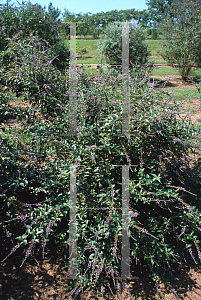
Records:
x=93, y=6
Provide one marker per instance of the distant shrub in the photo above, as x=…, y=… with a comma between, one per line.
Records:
x=82, y=51
x=110, y=45
x=154, y=34
x=149, y=31
x=182, y=38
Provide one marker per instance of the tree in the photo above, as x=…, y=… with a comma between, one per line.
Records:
x=182, y=38
x=159, y=8
x=53, y=12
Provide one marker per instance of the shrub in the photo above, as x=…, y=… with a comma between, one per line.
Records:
x=29, y=72
x=35, y=173
x=83, y=51
x=110, y=44
x=181, y=33
x=33, y=20
x=154, y=34
x=149, y=31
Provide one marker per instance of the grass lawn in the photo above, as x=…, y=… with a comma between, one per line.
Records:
x=164, y=71
x=188, y=94
x=154, y=46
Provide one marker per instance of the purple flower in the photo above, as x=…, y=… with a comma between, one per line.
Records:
x=198, y=228
x=48, y=228
x=98, y=273
x=128, y=137
x=106, y=222
x=112, y=193
x=190, y=209
x=87, y=247
x=43, y=244
x=157, y=284
x=144, y=230
x=21, y=217
x=134, y=214
x=114, y=250
x=128, y=158
x=111, y=271
x=181, y=188
x=92, y=146
x=94, y=248
x=20, y=73
x=127, y=288
x=33, y=158
x=15, y=36
x=174, y=291
x=159, y=132
x=93, y=266
x=178, y=140
x=140, y=132
x=78, y=291
x=72, y=292
x=118, y=287
x=93, y=158
x=34, y=221
x=8, y=234
x=15, y=248
x=199, y=255
x=28, y=252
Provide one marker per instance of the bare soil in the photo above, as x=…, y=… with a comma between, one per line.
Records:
x=46, y=279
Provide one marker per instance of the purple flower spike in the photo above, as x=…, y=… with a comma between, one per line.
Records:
x=119, y=287
x=144, y=230
x=8, y=234
x=15, y=248
x=93, y=158
x=134, y=214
